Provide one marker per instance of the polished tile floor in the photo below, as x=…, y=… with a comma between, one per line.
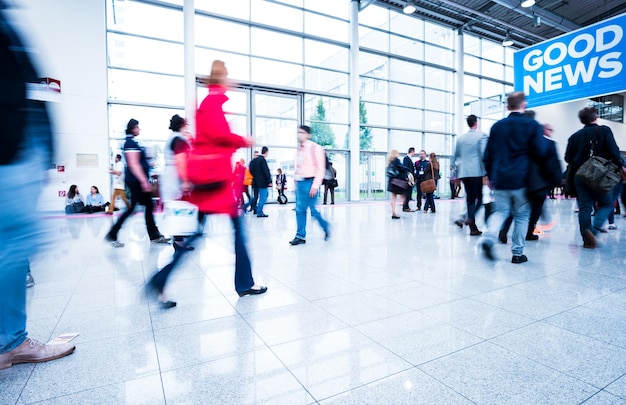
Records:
x=386, y=312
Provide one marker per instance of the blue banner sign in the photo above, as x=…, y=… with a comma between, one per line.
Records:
x=584, y=63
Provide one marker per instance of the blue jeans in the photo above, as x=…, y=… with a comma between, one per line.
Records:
x=262, y=200
x=304, y=201
x=586, y=198
x=515, y=203
x=19, y=227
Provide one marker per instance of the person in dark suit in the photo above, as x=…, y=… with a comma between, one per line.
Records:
x=512, y=142
x=420, y=170
x=408, y=162
x=261, y=180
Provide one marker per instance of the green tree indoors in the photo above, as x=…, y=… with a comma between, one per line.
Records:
x=321, y=132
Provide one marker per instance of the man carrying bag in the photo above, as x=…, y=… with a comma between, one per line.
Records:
x=591, y=141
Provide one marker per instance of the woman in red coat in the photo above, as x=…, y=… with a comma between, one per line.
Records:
x=213, y=137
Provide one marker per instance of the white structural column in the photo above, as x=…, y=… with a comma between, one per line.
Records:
x=189, y=12
x=460, y=73
x=355, y=145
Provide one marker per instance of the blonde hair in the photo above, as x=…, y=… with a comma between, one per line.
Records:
x=392, y=155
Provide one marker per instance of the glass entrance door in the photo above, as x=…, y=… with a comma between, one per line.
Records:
x=274, y=118
x=372, y=177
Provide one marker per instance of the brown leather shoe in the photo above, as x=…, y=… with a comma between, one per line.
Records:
x=589, y=240
x=33, y=351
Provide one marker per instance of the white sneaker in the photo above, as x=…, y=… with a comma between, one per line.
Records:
x=612, y=226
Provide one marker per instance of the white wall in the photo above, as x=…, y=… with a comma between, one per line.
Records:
x=68, y=37
x=564, y=119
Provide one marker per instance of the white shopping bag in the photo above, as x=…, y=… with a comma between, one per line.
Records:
x=179, y=218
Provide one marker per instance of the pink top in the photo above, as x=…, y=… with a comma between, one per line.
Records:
x=311, y=163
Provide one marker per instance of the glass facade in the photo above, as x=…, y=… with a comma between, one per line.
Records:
x=299, y=51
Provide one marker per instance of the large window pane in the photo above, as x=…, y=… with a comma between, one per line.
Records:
x=376, y=17
x=406, y=47
x=403, y=140
x=238, y=65
x=146, y=88
x=130, y=17
x=340, y=9
x=437, y=34
x=379, y=139
x=126, y=51
x=491, y=88
x=321, y=54
x=326, y=27
x=326, y=81
x=276, y=15
x=276, y=45
x=439, y=56
x=438, y=78
x=439, y=122
x=402, y=117
x=153, y=121
x=232, y=8
x=471, y=45
x=373, y=39
x=276, y=73
x=492, y=51
x=275, y=131
x=406, y=95
x=493, y=70
x=276, y=106
x=406, y=72
x=471, y=85
x=471, y=64
x=373, y=65
x=335, y=109
x=440, y=144
x=438, y=100
x=221, y=34
x=376, y=114
x=408, y=26
x=374, y=90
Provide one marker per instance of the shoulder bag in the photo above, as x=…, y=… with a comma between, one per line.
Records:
x=598, y=173
x=428, y=186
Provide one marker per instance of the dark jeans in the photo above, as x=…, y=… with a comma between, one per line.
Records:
x=159, y=280
x=586, y=199
x=408, y=193
x=430, y=202
x=418, y=191
x=617, y=192
x=137, y=196
x=473, y=195
x=255, y=198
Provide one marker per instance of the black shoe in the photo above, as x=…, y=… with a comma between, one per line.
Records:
x=532, y=237
x=182, y=247
x=326, y=235
x=519, y=259
x=488, y=250
x=262, y=216
x=297, y=241
x=252, y=291
x=395, y=217
x=502, y=237
x=407, y=210
x=459, y=223
x=168, y=304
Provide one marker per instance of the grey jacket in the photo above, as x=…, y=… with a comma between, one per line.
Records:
x=468, y=155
